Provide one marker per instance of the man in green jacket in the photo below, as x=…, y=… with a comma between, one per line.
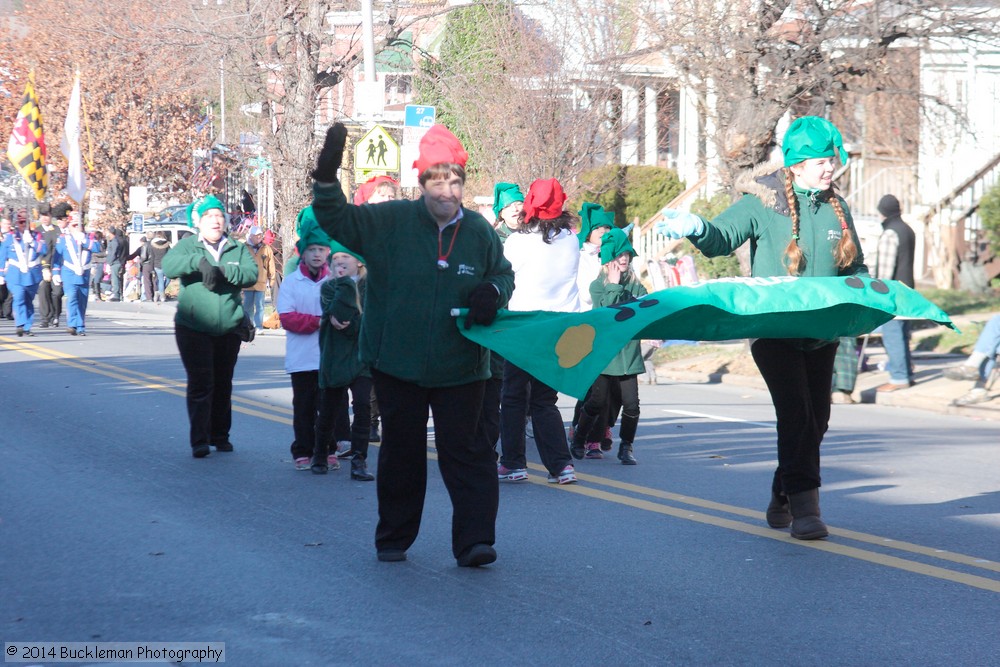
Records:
x=425, y=257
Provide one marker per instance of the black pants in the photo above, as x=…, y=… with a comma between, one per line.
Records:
x=466, y=463
x=305, y=407
x=96, y=276
x=488, y=428
x=799, y=382
x=522, y=393
x=209, y=362
x=6, y=303
x=331, y=400
x=147, y=281
x=610, y=393
x=49, y=302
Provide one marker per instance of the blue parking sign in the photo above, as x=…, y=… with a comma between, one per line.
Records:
x=418, y=116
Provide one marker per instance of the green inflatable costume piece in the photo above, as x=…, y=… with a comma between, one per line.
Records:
x=567, y=351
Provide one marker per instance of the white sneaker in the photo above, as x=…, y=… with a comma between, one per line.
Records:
x=344, y=449
x=977, y=395
x=567, y=476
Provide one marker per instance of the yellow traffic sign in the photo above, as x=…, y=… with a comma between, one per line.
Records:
x=376, y=151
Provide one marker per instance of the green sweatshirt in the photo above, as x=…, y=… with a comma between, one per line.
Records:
x=602, y=293
x=339, y=362
x=408, y=331
x=215, y=311
x=761, y=216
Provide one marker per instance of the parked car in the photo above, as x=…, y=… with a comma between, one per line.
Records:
x=177, y=213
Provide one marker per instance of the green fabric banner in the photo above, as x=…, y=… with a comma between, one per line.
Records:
x=567, y=351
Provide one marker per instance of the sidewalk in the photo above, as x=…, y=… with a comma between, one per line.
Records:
x=932, y=391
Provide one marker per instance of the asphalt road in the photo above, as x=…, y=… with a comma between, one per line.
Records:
x=110, y=531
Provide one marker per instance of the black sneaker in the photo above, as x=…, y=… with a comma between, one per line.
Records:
x=476, y=555
x=200, y=451
x=359, y=470
x=391, y=555
x=223, y=446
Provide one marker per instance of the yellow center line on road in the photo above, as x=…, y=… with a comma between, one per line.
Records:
x=876, y=558
x=144, y=380
x=177, y=388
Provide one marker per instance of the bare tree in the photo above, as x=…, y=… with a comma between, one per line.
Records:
x=523, y=92
x=755, y=60
x=140, y=98
x=287, y=57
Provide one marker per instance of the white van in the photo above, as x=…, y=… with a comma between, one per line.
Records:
x=175, y=231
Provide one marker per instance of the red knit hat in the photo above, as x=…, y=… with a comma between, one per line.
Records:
x=437, y=146
x=366, y=189
x=545, y=200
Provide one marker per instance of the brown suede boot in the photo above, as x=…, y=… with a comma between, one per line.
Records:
x=806, y=524
x=778, y=515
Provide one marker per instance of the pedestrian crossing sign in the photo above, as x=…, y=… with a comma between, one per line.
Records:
x=376, y=151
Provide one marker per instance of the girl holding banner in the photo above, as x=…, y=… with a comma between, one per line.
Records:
x=797, y=226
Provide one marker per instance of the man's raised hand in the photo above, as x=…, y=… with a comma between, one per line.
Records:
x=331, y=155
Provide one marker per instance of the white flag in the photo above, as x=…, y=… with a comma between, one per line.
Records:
x=76, y=183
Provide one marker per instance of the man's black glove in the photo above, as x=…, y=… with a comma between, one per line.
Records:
x=331, y=155
x=210, y=275
x=482, y=305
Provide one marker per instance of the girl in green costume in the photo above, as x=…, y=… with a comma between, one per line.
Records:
x=797, y=226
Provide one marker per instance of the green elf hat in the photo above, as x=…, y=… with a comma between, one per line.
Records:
x=505, y=194
x=812, y=137
x=593, y=216
x=309, y=231
x=615, y=243
x=198, y=207
x=336, y=247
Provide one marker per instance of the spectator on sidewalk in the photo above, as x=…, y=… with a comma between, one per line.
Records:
x=425, y=257
x=144, y=256
x=253, y=297
x=978, y=366
x=116, y=258
x=158, y=249
x=845, y=371
x=97, y=262
x=894, y=261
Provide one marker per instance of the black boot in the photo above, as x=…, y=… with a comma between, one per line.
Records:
x=577, y=446
x=778, y=515
x=373, y=435
x=625, y=454
x=806, y=522
x=359, y=469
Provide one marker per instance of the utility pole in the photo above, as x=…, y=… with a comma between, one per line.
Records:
x=368, y=39
x=222, y=100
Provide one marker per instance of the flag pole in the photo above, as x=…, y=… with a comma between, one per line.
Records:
x=89, y=157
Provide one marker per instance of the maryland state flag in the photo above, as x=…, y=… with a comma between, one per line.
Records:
x=26, y=148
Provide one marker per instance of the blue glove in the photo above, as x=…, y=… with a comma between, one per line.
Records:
x=678, y=224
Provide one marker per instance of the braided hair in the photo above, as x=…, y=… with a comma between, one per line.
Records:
x=846, y=251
